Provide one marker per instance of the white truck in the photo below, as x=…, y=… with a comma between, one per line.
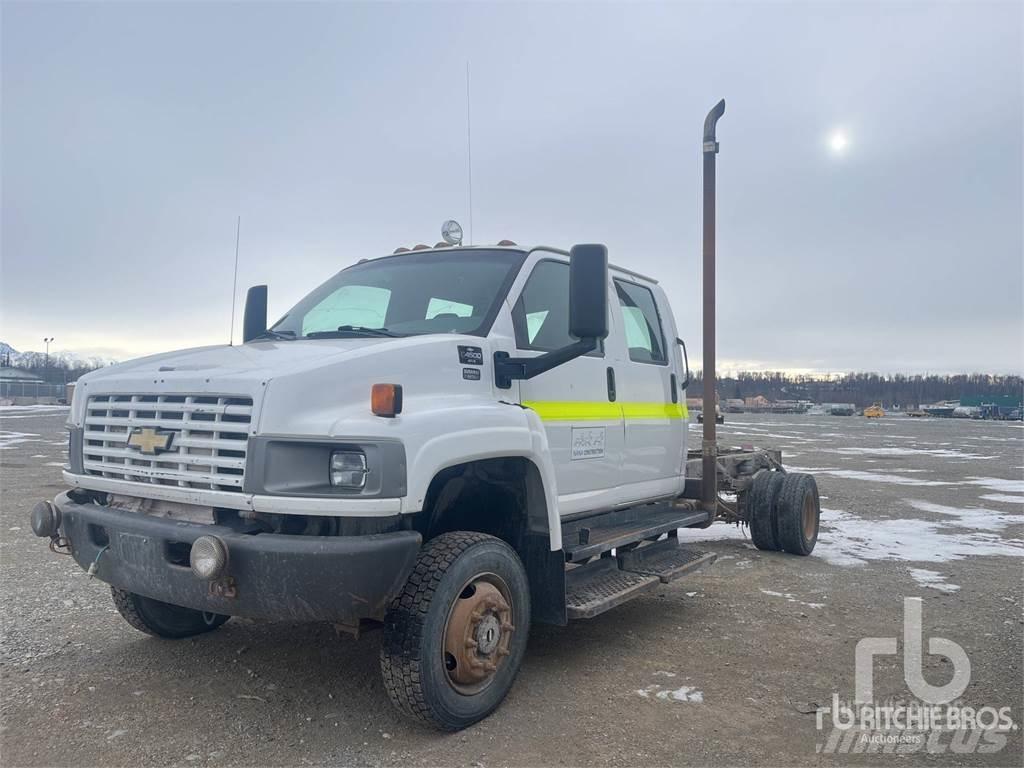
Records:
x=451, y=441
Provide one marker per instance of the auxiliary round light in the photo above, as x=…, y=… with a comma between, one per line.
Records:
x=45, y=520
x=208, y=558
x=451, y=232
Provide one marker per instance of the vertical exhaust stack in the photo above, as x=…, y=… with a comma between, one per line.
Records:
x=709, y=451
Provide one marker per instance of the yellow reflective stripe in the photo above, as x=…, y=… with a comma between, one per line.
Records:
x=549, y=410
x=654, y=411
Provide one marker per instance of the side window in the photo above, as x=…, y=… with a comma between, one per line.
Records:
x=360, y=305
x=541, y=315
x=644, y=336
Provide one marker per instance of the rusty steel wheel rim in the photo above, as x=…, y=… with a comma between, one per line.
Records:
x=810, y=521
x=478, y=633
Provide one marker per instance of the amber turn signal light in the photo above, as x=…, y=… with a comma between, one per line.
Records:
x=386, y=400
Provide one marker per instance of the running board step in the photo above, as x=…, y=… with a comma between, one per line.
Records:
x=587, y=539
x=665, y=559
x=596, y=587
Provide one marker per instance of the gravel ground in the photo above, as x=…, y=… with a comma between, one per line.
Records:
x=742, y=654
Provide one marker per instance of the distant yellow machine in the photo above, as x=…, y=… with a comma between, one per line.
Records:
x=874, y=411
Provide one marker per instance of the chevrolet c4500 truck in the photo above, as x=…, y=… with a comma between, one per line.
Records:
x=453, y=442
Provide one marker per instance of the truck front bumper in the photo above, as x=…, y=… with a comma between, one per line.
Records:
x=270, y=576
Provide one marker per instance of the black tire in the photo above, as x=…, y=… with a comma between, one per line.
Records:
x=762, y=501
x=799, y=513
x=414, y=662
x=163, y=619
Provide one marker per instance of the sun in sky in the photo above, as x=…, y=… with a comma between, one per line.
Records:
x=838, y=142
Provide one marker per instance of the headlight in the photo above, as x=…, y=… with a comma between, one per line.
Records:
x=208, y=558
x=348, y=469
x=45, y=520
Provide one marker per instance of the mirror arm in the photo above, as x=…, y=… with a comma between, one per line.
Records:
x=507, y=368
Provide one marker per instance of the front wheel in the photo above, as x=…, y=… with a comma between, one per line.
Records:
x=163, y=619
x=456, y=634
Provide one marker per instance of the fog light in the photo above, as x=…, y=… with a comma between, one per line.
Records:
x=45, y=520
x=348, y=469
x=208, y=558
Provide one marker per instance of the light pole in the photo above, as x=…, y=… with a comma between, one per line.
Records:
x=46, y=364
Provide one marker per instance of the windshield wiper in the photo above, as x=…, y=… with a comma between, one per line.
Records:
x=272, y=334
x=361, y=330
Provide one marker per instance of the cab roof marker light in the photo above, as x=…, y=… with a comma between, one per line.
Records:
x=386, y=400
x=505, y=242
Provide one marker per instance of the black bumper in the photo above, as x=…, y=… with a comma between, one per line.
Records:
x=271, y=576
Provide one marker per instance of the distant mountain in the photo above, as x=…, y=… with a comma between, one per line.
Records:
x=58, y=359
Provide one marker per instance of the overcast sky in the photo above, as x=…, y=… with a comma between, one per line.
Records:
x=134, y=134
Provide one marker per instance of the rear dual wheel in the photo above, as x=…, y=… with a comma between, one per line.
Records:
x=455, y=636
x=785, y=512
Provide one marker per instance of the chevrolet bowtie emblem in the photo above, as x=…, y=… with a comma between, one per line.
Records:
x=149, y=440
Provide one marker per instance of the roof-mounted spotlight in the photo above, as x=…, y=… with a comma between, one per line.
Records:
x=451, y=232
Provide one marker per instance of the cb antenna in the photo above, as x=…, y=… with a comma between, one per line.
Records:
x=469, y=155
x=234, y=283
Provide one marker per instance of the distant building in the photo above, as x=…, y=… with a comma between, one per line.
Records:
x=19, y=376
x=991, y=407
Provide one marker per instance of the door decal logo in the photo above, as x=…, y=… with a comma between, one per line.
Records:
x=587, y=443
x=471, y=355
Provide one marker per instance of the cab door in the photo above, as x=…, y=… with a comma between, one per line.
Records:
x=575, y=401
x=648, y=392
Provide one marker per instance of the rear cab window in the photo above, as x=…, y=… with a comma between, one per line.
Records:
x=642, y=327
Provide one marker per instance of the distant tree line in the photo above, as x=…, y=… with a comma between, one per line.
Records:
x=863, y=389
x=55, y=369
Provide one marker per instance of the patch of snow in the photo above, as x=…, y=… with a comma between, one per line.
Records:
x=945, y=453
x=977, y=518
x=685, y=693
x=9, y=439
x=932, y=579
x=848, y=540
x=30, y=408
x=998, y=484
x=1003, y=497
x=878, y=477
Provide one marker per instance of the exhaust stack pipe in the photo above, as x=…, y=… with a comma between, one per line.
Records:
x=709, y=451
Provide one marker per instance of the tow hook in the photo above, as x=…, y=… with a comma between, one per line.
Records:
x=46, y=525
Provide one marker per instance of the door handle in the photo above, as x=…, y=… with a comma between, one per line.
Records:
x=675, y=388
x=611, y=384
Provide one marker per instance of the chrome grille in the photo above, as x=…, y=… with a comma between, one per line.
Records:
x=206, y=452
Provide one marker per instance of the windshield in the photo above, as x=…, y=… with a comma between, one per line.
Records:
x=411, y=294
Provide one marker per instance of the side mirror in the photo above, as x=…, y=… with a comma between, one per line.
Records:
x=588, y=291
x=254, y=321
x=686, y=364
